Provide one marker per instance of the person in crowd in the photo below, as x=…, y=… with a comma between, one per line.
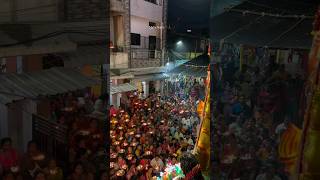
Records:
x=53, y=172
x=9, y=160
x=250, y=122
x=191, y=167
x=40, y=175
x=33, y=154
x=79, y=173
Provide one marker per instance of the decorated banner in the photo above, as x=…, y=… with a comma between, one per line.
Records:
x=289, y=148
x=309, y=160
x=202, y=148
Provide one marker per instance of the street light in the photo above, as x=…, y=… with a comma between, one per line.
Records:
x=179, y=43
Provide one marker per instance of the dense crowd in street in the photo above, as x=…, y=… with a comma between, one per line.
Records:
x=152, y=132
x=85, y=145
x=252, y=110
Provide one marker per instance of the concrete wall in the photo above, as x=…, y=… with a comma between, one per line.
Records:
x=83, y=10
x=119, y=60
x=5, y=14
x=141, y=26
x=28, y=11
x=144, y=9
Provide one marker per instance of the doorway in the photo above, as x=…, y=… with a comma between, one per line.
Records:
x=152, y=46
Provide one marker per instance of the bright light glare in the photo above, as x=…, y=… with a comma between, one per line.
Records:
x=179, y=43
x=189, y=30
x=168, y=64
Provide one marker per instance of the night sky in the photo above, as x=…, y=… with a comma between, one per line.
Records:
x=184, y=14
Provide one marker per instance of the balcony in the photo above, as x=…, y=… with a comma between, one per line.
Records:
x=142, y=58
x=119, y=58
x=117, y=6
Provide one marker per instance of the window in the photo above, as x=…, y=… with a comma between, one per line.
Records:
x=152, y=1
x=135, y=39
x=152, y=24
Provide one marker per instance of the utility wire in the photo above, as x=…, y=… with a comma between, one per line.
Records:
x=27, y=9
x=269, y=14
x=48, y=36
x=284, y=33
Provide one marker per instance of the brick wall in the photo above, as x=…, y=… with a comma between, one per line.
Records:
x=83, y=10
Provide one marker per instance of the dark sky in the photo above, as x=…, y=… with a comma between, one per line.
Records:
x=186, y=14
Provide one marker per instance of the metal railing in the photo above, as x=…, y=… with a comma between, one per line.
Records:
x=51, y=137
x=144, y=54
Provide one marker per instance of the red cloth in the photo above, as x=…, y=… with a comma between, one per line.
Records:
x=8, y=159
x=113, y=111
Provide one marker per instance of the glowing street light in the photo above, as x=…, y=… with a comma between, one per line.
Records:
x=179, y=43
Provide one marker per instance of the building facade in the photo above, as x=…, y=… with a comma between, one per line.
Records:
x=37, y=35
x=138, y=45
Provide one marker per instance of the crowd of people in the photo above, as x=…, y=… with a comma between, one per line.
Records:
x=85, y=155
x=152, y=133
x=252, y=110
x=37, y=165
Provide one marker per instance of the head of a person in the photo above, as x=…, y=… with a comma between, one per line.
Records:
x=52, y=164
x=39, y=175
x=32, y=147
x=6, y=144
x=78, y=168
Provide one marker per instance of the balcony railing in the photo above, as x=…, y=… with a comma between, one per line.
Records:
x=144, y=54
x=142, y=58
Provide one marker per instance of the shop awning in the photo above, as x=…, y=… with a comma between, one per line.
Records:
x=122, y=88
x=197, y=67
x=14, y=87
x=262, y=23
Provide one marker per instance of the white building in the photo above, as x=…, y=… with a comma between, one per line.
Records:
x=138, y=38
